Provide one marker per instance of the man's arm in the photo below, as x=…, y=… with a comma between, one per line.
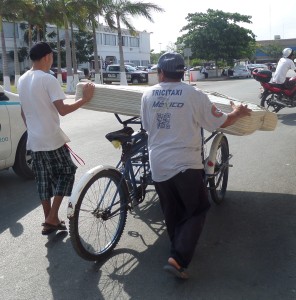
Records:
x=239, y=111
x=87, y=94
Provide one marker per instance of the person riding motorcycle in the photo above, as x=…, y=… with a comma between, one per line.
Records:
x=284, y=65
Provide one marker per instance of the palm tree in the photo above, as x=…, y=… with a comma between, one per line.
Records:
x=119, y=12
x=33, y=15
x=72, y=10
x=77, y=16
x=16, y=59
x=8, y=9
x=93, y=9
x=22, y=6
x=54, y=16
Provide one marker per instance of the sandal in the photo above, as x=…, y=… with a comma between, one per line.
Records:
x=51, y=228
x=179, y=273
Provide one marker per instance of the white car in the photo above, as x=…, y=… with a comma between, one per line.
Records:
x=13, y=136
x=80, y=74
x=241, y=71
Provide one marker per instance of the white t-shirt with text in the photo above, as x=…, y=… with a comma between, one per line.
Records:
x=173, y=114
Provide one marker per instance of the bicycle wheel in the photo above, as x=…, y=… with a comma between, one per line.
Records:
x=218, y=183
x=98, y=223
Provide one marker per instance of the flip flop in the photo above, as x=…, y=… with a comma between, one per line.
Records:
x=47, y=231
x=61, y=222
x=179, y=273
x=51, y=228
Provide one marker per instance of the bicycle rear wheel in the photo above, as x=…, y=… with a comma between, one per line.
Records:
x=218, y=183
x=97, y=224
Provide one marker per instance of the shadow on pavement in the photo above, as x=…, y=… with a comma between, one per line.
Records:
x=17, y=198
x=247, y=251
x=287, y=119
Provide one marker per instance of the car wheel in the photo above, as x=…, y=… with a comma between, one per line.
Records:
x=23, y=161
x=135, y=81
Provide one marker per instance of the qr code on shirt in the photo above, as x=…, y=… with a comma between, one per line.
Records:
x=163, y=121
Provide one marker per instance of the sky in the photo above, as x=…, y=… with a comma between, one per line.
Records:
x=269, y=18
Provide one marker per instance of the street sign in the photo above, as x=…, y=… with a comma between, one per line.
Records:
x=187, y=52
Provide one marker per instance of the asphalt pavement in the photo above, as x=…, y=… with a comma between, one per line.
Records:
x=247, y=250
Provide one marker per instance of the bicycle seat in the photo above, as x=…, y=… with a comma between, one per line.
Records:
x=122, y=135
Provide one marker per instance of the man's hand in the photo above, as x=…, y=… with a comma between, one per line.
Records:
x=88, y=92
x=240, y=110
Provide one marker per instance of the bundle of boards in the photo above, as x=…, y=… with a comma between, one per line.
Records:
x=126, y=100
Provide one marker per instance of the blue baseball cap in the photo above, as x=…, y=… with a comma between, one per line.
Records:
x=171, y=62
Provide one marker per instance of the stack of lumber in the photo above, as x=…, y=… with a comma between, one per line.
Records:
x=260, y=118
x=126, y=100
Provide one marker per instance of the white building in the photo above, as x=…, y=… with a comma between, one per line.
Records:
x=136, y=49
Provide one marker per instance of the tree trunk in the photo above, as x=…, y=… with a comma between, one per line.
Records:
x=74, y=60
x=16, y=58
x=96, y=58
x=123, y=80
x=59, y=63
x=6, y=78
x=30, y=42
x=70, y=86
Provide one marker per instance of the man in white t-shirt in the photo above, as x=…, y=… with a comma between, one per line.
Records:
x=173, y=113
x=285, y=64
x=41, y=100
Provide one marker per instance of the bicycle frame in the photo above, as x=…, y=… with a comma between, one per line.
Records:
x=209, y=161
x=138, y=148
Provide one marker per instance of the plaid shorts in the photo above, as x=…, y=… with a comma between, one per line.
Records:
x=54, y=172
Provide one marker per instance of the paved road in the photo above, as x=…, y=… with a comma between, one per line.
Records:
x=247, y=250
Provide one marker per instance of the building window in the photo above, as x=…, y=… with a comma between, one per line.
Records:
x=134, y=42
x=110, y=39
x=8, y=29
x=99, y=38
x=124, y=41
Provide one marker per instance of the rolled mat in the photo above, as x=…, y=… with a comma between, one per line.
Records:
x=126, y=100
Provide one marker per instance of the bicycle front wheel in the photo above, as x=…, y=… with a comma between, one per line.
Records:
x=218, y=183
x=100, y=215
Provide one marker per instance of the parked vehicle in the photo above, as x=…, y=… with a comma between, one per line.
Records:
x=64, y=73
x=13, y=136
x=252, y=67
x=112, y=74
x=239, y=71
x=143, y=68
x=152, y=69
x=276, y=96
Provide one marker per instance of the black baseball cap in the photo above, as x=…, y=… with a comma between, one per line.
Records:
x=39, y=50
x=171, y=62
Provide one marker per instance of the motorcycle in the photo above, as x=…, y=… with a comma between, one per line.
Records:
x=276, y=96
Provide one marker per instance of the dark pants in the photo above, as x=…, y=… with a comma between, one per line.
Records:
x=184, y=202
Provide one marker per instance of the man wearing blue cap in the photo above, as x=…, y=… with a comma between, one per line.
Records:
x=173, y=113
x=42, y=102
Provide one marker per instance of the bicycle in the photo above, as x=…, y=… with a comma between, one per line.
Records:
x=98, y=207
